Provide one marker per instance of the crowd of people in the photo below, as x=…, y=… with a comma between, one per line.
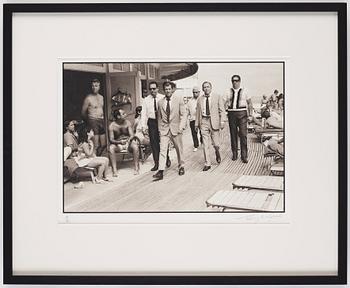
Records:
x=159, y=124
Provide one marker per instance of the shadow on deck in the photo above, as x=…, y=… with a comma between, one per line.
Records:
x=174, y=193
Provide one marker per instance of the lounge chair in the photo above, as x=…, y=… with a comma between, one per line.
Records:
x=266, y=133
x=277, y=168
x=273, y=183
x=247, y=199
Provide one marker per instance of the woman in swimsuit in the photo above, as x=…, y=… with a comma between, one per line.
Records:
x=86, y=156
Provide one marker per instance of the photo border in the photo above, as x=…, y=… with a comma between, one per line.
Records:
x=10, y=9
x=218, y=61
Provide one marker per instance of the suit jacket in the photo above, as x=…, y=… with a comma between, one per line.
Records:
x=178, y=116
x=217, y=111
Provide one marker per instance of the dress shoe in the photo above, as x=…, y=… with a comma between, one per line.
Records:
x=168, y=163
x=218, y=158
x=181, y=171
x=234, y=157
x=245, y=160
x=158, y=175
x=206, y=168
x=155, y=167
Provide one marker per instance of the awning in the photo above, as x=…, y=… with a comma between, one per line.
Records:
x=176, y=71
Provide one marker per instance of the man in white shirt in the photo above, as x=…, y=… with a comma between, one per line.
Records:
x=149, y=120
x=238, y=106
x=192, y=107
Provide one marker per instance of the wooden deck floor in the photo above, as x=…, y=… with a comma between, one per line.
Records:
x=174, y=193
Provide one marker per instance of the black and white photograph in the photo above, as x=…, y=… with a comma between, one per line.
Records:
x=173, y=137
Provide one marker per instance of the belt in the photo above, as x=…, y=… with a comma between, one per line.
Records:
x=206, y=117
x=240, y=109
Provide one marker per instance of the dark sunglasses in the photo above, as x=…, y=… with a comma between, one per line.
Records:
x=152, y=88
x=235, y=80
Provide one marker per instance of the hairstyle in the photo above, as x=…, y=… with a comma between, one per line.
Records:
x=237, y=76
x=95, y=80
x=205, y=83
x=265, y=112
x=82, y=133
x=66, y=124
x=276, y=91
x=280, y=96
x=138, y=110
x=153, y=82
x=169, y=83
x=117, y=113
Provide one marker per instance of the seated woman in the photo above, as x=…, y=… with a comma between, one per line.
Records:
x=122, y=138
x=138, y=132
x=70, y=137
x=86, y=158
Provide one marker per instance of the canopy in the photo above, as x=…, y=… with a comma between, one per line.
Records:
x=176, y=71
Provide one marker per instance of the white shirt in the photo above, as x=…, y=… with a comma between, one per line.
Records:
x=148, y=109
x=192, y=107
x=204, y=103
x=242, y=105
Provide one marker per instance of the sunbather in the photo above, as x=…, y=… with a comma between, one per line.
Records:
x=121, y=137
x=276, y=146
x=273, y=117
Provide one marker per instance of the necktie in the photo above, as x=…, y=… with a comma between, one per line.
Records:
x=207, y=111
x=233, y=97
x=167, y=109
x=155, y=106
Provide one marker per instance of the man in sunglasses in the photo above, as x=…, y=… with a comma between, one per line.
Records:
x=239, y=107
x=149, y=122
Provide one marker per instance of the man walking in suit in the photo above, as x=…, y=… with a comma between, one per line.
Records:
x=236, y=106
x=171, y=123
x=210, y=119
x=149, y=122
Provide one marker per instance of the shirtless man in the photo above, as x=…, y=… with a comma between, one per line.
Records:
x=92, y=113
x=121, y=137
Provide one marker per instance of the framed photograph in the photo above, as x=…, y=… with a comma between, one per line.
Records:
x=175, y=143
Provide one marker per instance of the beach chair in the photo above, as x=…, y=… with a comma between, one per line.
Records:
x=255, y=193
x=251, y=128
x=271, y=183
x=143, y=152
x=247, y=199
x=277, y=168
x=264, y=134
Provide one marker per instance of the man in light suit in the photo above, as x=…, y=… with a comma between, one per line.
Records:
x=171, y=117
x=210, y=119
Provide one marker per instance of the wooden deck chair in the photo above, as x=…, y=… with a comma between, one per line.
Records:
x=277, y=168
x=266, y=133
x=247, y=199
x=273, y=183
x=142, y=151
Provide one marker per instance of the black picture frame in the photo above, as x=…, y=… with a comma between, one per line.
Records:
x=8, y=12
